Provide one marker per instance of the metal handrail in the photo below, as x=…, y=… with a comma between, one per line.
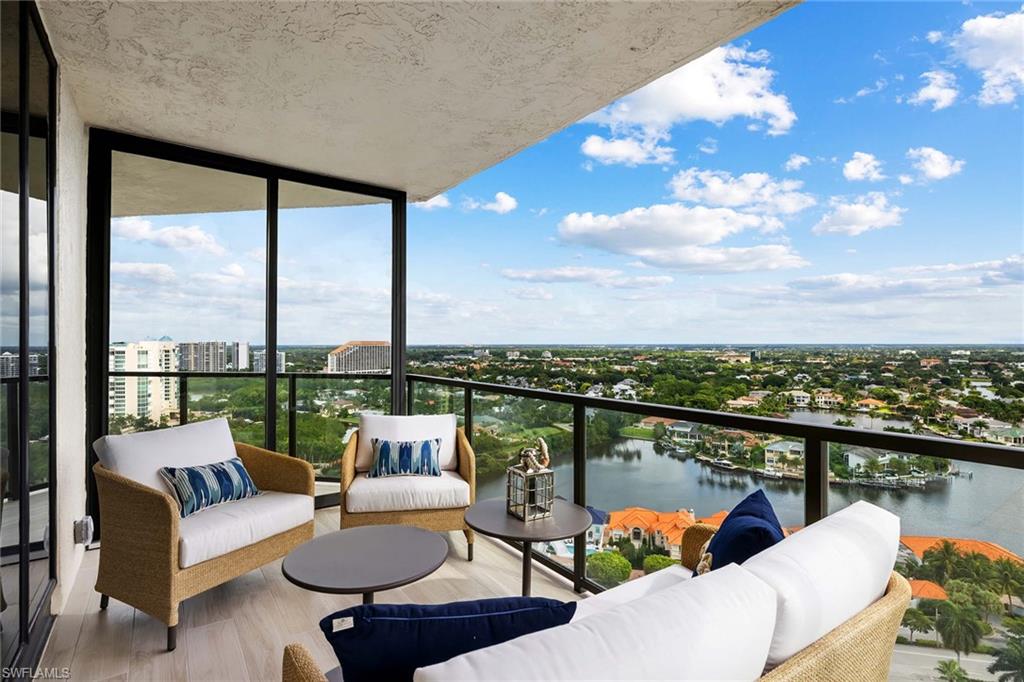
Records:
x=933, y=446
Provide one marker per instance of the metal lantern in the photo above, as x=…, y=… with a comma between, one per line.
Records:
x=530, y=493
x=530, y=485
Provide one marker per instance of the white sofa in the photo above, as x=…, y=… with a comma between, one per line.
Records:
x=153, y=559
x=734, y=623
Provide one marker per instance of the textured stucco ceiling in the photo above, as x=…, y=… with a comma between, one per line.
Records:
x=417, y=95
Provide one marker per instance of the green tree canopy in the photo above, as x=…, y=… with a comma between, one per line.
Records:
x=608, y=569
x=656, y=562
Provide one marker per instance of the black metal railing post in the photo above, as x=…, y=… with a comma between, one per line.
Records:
x=183, y=400
x=292, y=412
x=13, y=492
x=579, y=490
x=815, y=480
x=467, y=409
x=410, y=397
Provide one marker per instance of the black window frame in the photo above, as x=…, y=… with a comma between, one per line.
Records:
x=102, y=144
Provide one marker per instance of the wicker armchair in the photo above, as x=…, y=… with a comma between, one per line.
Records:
x=139, y=558
x=430, y=519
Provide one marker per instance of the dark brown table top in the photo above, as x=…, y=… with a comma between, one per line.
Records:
x=491, y=518
x=365, y=559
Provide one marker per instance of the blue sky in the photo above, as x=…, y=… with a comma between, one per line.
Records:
x=849, y=172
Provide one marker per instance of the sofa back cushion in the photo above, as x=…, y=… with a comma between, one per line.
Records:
x=406, y=428
x=827, y=573
x=676, y=633
x=140, y=456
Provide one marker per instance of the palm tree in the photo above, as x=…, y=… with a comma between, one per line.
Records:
x=917, y=620
x=975, y=568
x=960, y=627
x=1007, y=577
x=950, y=671
x=942, y=560
x=1010, y=661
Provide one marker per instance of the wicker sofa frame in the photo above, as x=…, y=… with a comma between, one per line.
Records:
x=139, y=556
x=428, y=519
x=859, y=650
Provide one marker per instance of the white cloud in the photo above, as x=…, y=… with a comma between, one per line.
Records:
x=727, y=82
x=433, y=203
x=878, y=86
x=905, y=179
x=933, y=36
x=991, y=44
x=679, y=237
x=628, y=151
x=708, y=146
x=178, y=238
x=795, y=162
x=259, y=255
x=159, y=273
x=871, y=211
x=756, y=192
x=863, y=166
x=233, y=270
x=531, y=294
x=940, y=90
x=503, y=203
x=603, y=277
x=933, y=164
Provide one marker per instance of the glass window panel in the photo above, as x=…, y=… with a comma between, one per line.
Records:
x=240, y=400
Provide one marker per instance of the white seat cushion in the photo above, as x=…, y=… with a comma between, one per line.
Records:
x=139, y=456
x=404, y=493
x=399, y=428
x=218, y=530
x=827, y=573
x=631, y=591
x=676, y=633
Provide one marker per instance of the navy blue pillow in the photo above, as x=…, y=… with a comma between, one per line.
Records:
x=390, y=641
x=750, y=527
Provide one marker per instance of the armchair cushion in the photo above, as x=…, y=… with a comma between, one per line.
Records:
x=406, y=493
x=407, y=428
x=139, y=456
x=227, y=527
x=827, y=573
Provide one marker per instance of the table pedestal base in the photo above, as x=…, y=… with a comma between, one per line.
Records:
x=527, y=567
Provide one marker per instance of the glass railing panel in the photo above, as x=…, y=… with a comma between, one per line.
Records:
x=502, y=427
x=435, y=399
x=9, y=516
x=240, y=400
x=648, y=479
x=961, y=545
x=327, y=412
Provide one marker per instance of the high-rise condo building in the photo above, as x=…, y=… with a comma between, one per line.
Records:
x=213, y=356
x=360, y=357
x=259, y=360
x=9, y=364
x=149, y=397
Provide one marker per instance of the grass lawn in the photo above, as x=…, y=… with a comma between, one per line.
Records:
x=640, y=432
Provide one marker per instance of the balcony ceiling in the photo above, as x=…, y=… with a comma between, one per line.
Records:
x=417, y=96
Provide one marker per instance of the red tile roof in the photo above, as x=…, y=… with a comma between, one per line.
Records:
x=919, y=544
x=926, y=589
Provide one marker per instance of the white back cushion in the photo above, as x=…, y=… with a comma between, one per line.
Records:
x=632, y=590
x=416, y=427
x=139, y=456
x=675, y=633
x=827, y=573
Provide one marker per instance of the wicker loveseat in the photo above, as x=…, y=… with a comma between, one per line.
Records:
x=857, y=649
x=151, y=558
x=432, y=503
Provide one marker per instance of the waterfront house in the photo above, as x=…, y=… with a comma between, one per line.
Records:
x=598, y=523
x=1007, y=435
x=743, y=402
x=928, y=363
x=827, y=399
x=646, y=527
x=926, y=589
x=913, y=547
x=798, y=397
x=651, y=422
x=685, y=431
x=784, y=455
x=868, y=404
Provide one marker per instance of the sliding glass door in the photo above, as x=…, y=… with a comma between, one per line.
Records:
x=27, y=566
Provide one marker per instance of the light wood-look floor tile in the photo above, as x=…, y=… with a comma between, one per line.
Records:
x=238, y=630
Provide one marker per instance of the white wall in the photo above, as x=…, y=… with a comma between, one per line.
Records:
x=70, y=341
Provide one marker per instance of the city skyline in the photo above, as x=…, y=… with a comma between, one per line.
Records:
x=873, y=199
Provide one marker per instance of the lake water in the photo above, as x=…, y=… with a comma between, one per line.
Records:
x=988, y=506
x=860, y=419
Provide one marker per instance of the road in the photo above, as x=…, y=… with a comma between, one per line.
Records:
x=918, y=663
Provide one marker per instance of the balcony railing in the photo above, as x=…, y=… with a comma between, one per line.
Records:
x=576, y=408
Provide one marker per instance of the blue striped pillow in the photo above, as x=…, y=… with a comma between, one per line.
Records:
x=199, y=487
x=405, y=458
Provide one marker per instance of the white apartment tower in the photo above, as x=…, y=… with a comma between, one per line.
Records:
x=360, y=357
x=259, y=360
x=149, y=397
x=213, y=356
